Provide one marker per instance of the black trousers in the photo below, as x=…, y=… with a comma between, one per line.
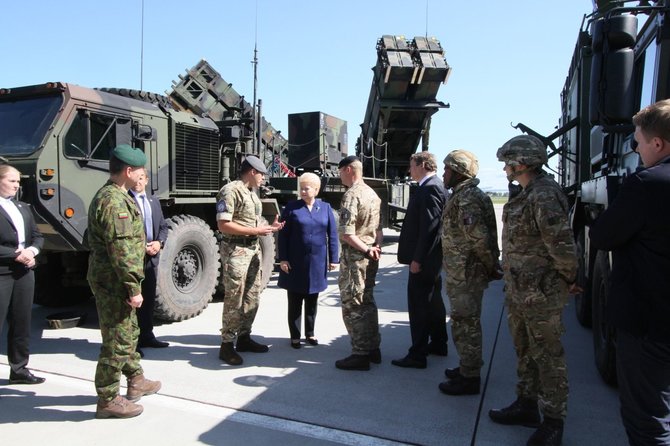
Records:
x=16, y=304
x=145, y=313
x=643, y=373
x=295, y=311
x=427, y=314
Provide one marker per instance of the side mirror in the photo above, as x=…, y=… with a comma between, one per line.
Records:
x=145, y=132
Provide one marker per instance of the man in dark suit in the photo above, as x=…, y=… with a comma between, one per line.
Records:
x=419, y=247
x=635, y=227
x=156, y=231
x=20, y=242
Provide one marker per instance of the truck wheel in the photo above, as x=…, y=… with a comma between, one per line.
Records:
x=583, y=299
x=145, y=96
x=188, y=270
x=604, y=334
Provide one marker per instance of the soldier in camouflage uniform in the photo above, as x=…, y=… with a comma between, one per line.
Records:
x=115, y=272
x=361, y=236
x=470, y=257
x=540, y=270
x=238, y=214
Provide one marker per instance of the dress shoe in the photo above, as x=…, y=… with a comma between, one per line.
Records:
x=24, y=378
x=523, y=411
x=452, y=373
x=313, y=341
x=409, y=362
x=228, y=354
x=246, y=344
x=376, y=356
x=295, y=343
x=354, y=362
x=438, y=349
x=461, y=385
x=139, y=386
x=119, y=407
x=152, y=343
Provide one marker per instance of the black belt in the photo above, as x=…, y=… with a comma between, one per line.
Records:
x=246, y=241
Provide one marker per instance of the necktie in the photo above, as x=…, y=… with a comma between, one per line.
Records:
x=148, y=224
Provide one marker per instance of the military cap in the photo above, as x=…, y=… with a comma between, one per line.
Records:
x=131, y=156
x=344, y=162
x=463, y=162
x=253, y=162
x=528, y=150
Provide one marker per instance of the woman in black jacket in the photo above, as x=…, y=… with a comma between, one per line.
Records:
x=20, y=242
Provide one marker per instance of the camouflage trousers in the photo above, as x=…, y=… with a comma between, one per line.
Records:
x=466, y=327
x=541, y=368
x=242, y=288
x=359, y=310
x=119, y=329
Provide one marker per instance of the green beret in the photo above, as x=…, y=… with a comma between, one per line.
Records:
x=131, y=156
x=253, y=162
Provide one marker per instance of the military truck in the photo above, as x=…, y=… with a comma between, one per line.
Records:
x=59, y=135
x=620, y=65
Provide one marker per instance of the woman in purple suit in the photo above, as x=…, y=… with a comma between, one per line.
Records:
x=308, y=249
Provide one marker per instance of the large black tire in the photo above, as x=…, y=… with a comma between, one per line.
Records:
x=145, y=96
x=188, y=270
x=604, y=335
x=583, y=300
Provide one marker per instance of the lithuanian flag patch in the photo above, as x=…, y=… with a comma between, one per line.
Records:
x=123, y=215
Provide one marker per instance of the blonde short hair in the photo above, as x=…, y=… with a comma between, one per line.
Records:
x=310, y=178
x=6, y=168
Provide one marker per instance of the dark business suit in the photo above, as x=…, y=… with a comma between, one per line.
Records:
x=160, y=231
x=420, y=241
x=17, y=286
x=636, y=228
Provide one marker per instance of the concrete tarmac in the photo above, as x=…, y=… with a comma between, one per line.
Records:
x=294, y=397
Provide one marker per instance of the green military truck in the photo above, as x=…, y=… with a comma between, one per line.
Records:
x=619, y=66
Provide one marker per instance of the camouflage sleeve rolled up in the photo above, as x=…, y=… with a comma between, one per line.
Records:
x=551, y=216
x=348, y=214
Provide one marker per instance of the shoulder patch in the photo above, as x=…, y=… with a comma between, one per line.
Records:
x=221, y=207
x=345, y=216
x=123, y=215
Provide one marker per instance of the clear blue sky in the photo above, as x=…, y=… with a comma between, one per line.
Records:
x=509, y=59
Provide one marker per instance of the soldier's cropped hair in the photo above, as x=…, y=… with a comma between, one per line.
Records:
x=654, y=120
x=357, y=167
x=116, y=166
x=310, y=178
x=427, y=159
x=6, y=169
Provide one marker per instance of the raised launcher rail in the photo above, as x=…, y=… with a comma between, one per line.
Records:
x=402, y=100
x=204, y=92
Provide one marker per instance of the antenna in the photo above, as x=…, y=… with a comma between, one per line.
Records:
x=257, y=112
x=426, y=18
x=142, y=51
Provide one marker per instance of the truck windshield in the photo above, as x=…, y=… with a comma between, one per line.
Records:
x=24, y=122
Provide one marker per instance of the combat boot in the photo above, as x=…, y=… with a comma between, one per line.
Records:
x=523, y=411
x=550, y=433
x=228, y=354
x=376, y=356
x=119, y=407
x=354, y=362
x=452, y=373
x=246, y=344
x=139, y=386
x=461, y=385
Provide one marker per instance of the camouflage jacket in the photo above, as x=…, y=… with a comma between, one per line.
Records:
x=538, y=246
x=469, y=234
x=235, y=202
x=116, y=240
x=360, y=213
